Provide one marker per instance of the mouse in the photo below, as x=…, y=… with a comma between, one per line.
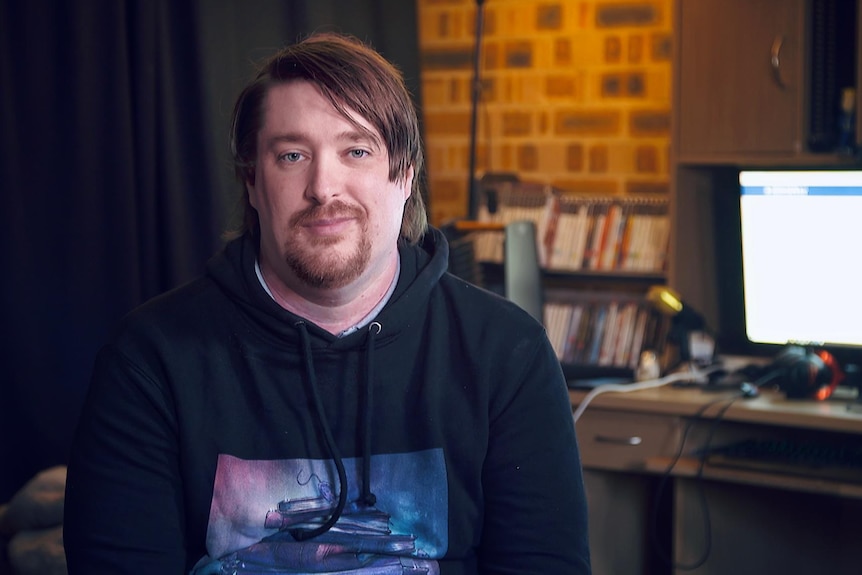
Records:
x=749, y=390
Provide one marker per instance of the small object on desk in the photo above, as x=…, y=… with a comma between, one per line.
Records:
x=701, y=346
x=648, y=366
x=749, y=390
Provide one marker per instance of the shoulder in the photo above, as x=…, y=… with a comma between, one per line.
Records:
x=190, y=307
x=480, y=304
x=183, y=300
x=484, y=324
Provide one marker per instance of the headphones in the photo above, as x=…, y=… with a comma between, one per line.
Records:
x=801, y=372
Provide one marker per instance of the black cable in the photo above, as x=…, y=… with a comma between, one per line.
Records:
x=668, y=559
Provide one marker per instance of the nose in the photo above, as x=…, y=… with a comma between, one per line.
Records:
x=325, y=180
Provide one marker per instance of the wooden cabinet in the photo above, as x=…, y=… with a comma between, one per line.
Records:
x=741, y=87
x=714, y=516
x=749, y=93
x=762, y=80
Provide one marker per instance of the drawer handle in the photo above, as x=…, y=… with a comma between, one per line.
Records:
x=633, y=440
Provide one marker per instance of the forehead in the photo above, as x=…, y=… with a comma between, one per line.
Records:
x=300, y=104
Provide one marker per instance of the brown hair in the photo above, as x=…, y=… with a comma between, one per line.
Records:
x=353, y=76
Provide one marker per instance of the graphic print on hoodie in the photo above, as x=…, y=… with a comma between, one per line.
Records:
x=257, y=507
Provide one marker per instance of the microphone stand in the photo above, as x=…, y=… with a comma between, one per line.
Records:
x=472, y=185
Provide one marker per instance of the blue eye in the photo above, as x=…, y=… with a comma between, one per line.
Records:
x=290, y=157
x=358, y=153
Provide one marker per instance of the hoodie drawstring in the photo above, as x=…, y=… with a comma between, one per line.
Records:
x=367, y=497
x=304, y=534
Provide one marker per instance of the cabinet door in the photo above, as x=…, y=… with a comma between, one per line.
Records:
x=619, y=521
x=740, y=82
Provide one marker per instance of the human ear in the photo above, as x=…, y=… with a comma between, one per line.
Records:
x=408, y=182
x=250, y=188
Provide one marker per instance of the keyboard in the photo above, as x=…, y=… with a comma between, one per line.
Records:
x=837, y=460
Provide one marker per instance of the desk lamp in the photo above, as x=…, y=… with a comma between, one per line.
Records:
x=688, y=327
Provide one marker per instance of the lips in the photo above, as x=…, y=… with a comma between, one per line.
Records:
x=330, y=221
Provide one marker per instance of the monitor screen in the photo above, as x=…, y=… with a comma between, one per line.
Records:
x=801, y=240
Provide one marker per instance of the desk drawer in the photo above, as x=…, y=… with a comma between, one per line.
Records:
x=624, y=441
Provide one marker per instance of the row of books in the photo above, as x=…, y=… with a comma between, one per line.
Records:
x=608, y=234
x=577, y=232
x=609, y=333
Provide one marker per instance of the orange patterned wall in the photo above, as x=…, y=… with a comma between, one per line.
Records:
x=575, y=93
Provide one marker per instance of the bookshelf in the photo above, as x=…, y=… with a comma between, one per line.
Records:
x=580, y=233
x=602, y=333
x=599, y=255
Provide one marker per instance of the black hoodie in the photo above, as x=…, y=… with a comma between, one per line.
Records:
x=223, y=434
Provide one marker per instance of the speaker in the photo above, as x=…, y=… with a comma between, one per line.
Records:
x=521, y=268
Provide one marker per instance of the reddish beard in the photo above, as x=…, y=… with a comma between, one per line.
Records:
x=314, y=259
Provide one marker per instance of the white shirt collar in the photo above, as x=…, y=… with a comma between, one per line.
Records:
x=369, y=317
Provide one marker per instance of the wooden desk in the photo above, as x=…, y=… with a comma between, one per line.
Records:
x=750, y=518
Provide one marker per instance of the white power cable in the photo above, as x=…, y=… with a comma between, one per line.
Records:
x=696, y=375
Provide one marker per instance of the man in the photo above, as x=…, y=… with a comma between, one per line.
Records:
x=327, y=399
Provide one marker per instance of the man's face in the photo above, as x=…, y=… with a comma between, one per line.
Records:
x=328, y=212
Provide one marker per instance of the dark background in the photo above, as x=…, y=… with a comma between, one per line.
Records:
x=115, y=177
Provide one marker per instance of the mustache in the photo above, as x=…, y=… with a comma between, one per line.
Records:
x=336, y=209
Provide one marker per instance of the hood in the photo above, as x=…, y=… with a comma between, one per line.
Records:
x=422, y=265
x=421, y=268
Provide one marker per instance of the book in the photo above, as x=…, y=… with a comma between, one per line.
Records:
x=571, y=342
x=583, y=341
x=577, y=232
x=610, y=237
x=625, y=334
x=638, y=336
x=597, y=335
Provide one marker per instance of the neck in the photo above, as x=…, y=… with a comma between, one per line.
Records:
x=334, y=310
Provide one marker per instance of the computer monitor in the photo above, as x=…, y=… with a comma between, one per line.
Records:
x=801, y=258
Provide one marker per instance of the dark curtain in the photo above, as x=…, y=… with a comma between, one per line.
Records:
x=115, y=175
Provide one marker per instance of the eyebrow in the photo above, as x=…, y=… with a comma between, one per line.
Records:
x=354, y=136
